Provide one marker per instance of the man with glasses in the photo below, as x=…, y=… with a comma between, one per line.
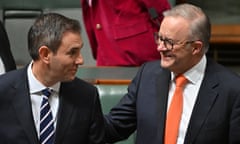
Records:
x=206, y=107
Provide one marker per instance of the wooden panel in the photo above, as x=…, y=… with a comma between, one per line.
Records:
x=107, y=75
x=223, y=33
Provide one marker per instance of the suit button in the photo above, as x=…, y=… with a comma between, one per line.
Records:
x=98, y=26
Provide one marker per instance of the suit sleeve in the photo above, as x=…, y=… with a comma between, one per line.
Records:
x=121, y=122
x=234, y=133
x=97, y=133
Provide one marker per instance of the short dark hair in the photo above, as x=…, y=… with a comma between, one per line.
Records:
x=48, y=30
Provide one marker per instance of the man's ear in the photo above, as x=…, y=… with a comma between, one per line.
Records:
x=44, y=53
x=197, y=47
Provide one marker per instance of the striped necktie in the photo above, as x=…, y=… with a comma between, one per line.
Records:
x=46, y=119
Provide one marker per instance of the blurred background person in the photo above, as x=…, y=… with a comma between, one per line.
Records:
x=121, y=32
x=7, y=62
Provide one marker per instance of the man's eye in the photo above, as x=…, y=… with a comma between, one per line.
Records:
x=72, y=52
x=166, y=40
x=169, y=41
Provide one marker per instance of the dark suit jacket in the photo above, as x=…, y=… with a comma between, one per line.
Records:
x=79, y=121
x=215, y=118
x=5, y=50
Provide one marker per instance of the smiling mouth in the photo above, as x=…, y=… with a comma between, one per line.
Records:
x=74, y=68
x=167, y=55
x=74, y=71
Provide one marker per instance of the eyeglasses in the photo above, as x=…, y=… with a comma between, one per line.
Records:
x=168, y=43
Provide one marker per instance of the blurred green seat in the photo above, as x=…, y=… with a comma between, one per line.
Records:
x=109, y=97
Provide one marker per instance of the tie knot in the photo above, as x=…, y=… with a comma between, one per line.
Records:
x=47, y=92
x=181, y=81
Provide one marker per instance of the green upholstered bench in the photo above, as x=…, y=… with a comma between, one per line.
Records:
x=109, y=96
x=112, y=83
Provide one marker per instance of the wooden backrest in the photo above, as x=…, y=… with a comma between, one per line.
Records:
x=225, y=33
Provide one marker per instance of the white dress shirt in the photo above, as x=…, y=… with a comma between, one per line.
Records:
x=35, y=88
x=195, y=76
x=2, y=68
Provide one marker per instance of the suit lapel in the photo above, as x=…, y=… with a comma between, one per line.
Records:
x=162, y=87
x=64, y=114
x=205, y=100
x=22, y=105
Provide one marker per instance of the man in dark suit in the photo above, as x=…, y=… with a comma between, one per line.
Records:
x=210, y=111
x=5, y=51
x=74, y=113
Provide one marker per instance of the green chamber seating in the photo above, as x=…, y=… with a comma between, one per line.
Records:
x=109, y=96
x=112, y=83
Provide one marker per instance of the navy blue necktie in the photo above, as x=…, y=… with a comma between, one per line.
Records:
x=46, y=119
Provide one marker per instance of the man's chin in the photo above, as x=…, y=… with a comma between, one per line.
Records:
x=69, y=79
x=166, y=64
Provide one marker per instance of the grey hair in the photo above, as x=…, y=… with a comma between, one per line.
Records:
x=200, y=26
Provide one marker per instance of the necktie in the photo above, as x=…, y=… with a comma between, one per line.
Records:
x=46, y=119
x=175, y=112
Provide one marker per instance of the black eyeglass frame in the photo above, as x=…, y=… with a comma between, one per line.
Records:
x=166, y=42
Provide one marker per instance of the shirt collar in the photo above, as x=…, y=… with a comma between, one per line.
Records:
x=196, y=72
x=35, y=85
